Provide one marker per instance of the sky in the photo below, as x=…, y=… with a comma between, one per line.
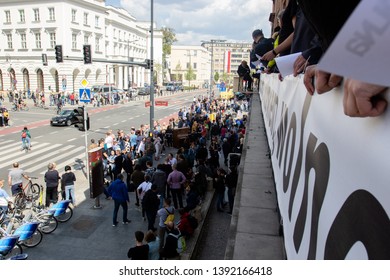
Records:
x=197, y=20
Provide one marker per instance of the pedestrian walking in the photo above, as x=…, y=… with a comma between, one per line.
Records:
x=118, y=191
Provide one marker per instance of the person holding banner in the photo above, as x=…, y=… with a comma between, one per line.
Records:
x=361, y=99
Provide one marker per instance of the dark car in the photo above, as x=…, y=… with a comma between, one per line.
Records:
x=144, y=91
x=65, y=117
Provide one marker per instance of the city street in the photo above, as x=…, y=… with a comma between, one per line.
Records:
x=65, y=145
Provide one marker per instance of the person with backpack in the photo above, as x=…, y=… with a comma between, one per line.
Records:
x=163, y=213
x=169, y=250
x=26, y=139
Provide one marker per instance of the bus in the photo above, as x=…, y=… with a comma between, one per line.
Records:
x=173, y=86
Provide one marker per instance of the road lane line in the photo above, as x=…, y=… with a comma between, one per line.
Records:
x=48, y=155
x=54, y=159
x=28, y=155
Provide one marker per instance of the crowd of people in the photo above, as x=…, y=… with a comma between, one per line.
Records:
x=163, y=184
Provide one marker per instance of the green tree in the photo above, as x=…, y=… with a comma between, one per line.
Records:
x=190, y=75
x=169, y=37
x=177, y=72
x=224, y=77
x=156, y=74
x=216, y=77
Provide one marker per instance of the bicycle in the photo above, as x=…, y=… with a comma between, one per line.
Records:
x=28, y=233
x=27, y=194
x=62, y=211
x=47, y=222
x=10, y=249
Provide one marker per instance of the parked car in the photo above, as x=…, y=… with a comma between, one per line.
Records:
x=144, y=91
x=65, y=117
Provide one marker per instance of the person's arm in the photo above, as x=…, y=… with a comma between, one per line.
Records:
x=280, y=48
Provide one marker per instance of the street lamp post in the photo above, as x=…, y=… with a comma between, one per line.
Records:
x=151, y=72
x=212, y=41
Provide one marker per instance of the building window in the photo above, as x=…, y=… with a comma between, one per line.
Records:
x=9, y=41
x=86, y=39
x=195, y=65
x=74, y=41
x=36, y=15
x=85, y=18
x=97, y=21
x=23, y=41
x=38, y=44
x=22, y=16
x=52, y=15
x=195, y=53
x=7, y=16
x=74, y=12
x=52, y=39
x=97, y=45
x=114, y=33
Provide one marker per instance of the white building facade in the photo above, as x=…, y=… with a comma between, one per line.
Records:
x=184, y=58
x=31, y=30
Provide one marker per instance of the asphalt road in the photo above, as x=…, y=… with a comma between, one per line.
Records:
x=66, y=145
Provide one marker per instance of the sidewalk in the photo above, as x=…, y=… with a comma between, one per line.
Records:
x=254, y=229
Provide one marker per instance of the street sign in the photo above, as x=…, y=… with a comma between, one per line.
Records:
x=161, y=103
x=147, y=104
x=84, y=82
x=85, y=95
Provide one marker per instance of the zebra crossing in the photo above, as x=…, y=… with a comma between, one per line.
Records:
x=36, y=160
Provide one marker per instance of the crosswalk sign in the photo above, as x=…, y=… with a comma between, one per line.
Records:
x=85, y=95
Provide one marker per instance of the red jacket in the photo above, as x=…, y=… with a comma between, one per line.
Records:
x=184, y=225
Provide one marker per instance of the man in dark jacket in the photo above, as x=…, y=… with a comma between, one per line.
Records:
x=150, y=204
x=118, y=162
x=128, y=167
x=160, y=180
x=244, y=72
x=260, y=46
x=118, y=192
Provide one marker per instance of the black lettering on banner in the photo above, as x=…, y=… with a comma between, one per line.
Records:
x=319, y=160
x=291, y=133
x=370, y=33
x=281, y=133
x=361, y=218
x=298, y=166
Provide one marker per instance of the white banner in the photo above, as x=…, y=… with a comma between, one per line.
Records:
x=332, y=173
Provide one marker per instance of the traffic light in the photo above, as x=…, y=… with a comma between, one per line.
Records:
x=78, y=118
x=59, y=57
x=148, y=63
x=87, y=54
